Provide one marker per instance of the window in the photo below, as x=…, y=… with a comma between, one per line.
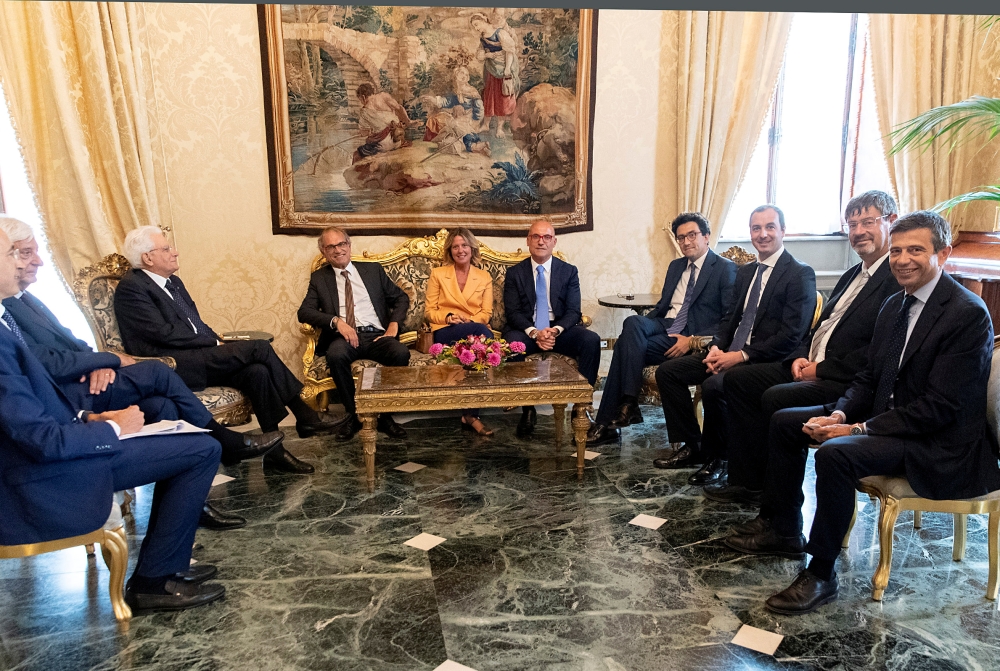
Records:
x=820, y=144
x=19, y=201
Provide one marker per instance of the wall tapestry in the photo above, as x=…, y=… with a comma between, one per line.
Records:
x=401, y=120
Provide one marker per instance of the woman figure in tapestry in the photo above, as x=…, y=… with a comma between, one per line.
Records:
x=497, y=51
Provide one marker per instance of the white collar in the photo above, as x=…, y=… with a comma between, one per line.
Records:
x=160, y=280
x=773, y=258
x=349, y=268
x=698, y=262
x=875, y=266
x=924, y=293
x=547, y=265
x=18, y=295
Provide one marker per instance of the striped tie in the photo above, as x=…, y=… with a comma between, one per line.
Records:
x=8, y=319
x=681, y=320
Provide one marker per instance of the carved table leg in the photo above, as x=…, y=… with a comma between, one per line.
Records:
x=580, y=426
x=368, y=435
x=559, y=412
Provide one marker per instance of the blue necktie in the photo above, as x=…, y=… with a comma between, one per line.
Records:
x=681, y=320
x=8, y=319
x=890, y=370
x=541, y=301
x=188, y=310
x=749, y=314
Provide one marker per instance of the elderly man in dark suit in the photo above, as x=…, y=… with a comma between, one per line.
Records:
x=358, y=310
x=917, y=409
x=822, y=368
x=541, y=297
x=157, y=317
x=697, y=294
x=775, y=301
x=62, y=466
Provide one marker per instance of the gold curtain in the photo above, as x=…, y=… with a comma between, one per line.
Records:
x=718, y=71
x=921, y=61
x=75, y=81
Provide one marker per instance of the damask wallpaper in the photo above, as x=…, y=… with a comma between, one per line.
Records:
x=209, y=124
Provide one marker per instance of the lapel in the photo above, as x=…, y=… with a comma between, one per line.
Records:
x=33, y=366
x=331, y=281
x=153, y=287
x=874, y=286
x=928, y=317
x=706, y=268
x=24, y=314
x=744, y=280
x=674, y=272
x=461, y=297
x=371, y=284
x=831, y=304
x=555, y=283
x=779, y=269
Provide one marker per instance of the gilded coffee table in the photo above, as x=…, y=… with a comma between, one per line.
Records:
x=451, y=387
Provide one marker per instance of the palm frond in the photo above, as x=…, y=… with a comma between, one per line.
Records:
x=957, y=124
x=984, y=193
x=989, y=21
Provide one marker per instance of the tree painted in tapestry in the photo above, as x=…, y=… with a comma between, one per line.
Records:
x=435, y=111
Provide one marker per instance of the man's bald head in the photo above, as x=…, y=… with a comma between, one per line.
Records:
x=541, y=241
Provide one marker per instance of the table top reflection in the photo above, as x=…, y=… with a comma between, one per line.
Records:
x=453, y=376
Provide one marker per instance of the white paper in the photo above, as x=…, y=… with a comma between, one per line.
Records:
x=193, y=561
x=409, y=467
x=453, y=666
x=367, y=378
x=757, y=639
x=164, y=427
x=425, y=541
x=221, y=479
x=647, y=521
x=587, y=454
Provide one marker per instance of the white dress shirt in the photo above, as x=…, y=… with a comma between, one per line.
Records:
x=677, y=300
x=850, y=295
x=161, y=282
x=922, y=295
x=769, y=266
x=364, y=309
x=548, y=293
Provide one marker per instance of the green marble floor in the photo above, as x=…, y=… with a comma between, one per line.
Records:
x=540, y=570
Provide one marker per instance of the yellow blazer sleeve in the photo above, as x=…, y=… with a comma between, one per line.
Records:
x=435, y=308
x=483, y=298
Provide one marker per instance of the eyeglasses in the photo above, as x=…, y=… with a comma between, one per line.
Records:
x=535, y=237
x=168, y=248
x=14, y=253
x=690, y=237
x=337, y=247
x=26, y=254
x=867, y=224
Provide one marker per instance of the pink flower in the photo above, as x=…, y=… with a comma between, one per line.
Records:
x=436, y=349
x=466, y=357
x=517, y=347
x=478, y=347
x=493, y=359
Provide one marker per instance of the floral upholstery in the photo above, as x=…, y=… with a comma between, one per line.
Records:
x=102, y=301
x=225, y=401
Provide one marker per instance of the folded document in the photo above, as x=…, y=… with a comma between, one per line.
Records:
x=166, y=427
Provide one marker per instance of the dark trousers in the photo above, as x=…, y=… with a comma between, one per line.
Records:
x=151, y=385
x=643, y=342
x=252, y=367
x=753, y=393
x=340, y=354
x=449, y=335
x=182, y=468
x=673, y=378
x=577, y=342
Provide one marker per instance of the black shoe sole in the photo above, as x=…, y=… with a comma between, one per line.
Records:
x=782, y=611
x=762, y=553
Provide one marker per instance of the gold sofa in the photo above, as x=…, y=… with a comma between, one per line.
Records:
x=94, y=290
x=409, y=266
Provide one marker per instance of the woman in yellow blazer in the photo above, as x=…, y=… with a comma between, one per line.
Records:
x=460, y=302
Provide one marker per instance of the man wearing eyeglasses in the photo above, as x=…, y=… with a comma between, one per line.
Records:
x=822, y=368
x=541, y=297
x=358, y=310
x=697, y=294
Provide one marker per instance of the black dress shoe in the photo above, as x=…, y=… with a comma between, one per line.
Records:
x=731, y=494
x=349, y=428
x=254, y=445
x=326, y=424
x=685, y=456
x=216, y=520
x=804, y=595
x=628, y=413
x=715, y=471
x=598, y=434
x=754, y=526
x=526, y=426
x=176, y=595
x=387, y=425
x=282, y=460
x=197, y=574
x=768, y=542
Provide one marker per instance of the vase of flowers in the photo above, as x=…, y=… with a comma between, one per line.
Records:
x=477, y=353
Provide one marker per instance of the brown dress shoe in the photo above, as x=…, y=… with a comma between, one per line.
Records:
x=685, y=456
x=769, y=543
x=804, y=595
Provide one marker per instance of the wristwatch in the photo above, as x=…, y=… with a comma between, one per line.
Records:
x=857, y=430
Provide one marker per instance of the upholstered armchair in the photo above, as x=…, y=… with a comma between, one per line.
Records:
x=94, y=290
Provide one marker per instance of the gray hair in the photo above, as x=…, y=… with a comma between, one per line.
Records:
x=139, y=242
x=331, y=229
x=938, y=226
x=878, y=200
x=16, y=229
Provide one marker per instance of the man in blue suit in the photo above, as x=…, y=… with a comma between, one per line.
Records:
x=541, y=297
x=61, y=468
x=697, y=293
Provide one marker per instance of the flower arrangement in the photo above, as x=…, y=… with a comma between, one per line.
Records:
x=477, y=353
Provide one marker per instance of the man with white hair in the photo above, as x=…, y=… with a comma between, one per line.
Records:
x=98, y=382
x=157, y=317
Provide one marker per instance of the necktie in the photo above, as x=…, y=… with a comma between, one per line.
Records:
x=890, y=369
x=749, y=314
x=541, y=301
x=681, y=320
x=348, y=299
x=830, y=323
x=8, y=319
x=187, y=310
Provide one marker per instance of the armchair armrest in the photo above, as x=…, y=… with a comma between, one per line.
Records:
x=168, y=360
